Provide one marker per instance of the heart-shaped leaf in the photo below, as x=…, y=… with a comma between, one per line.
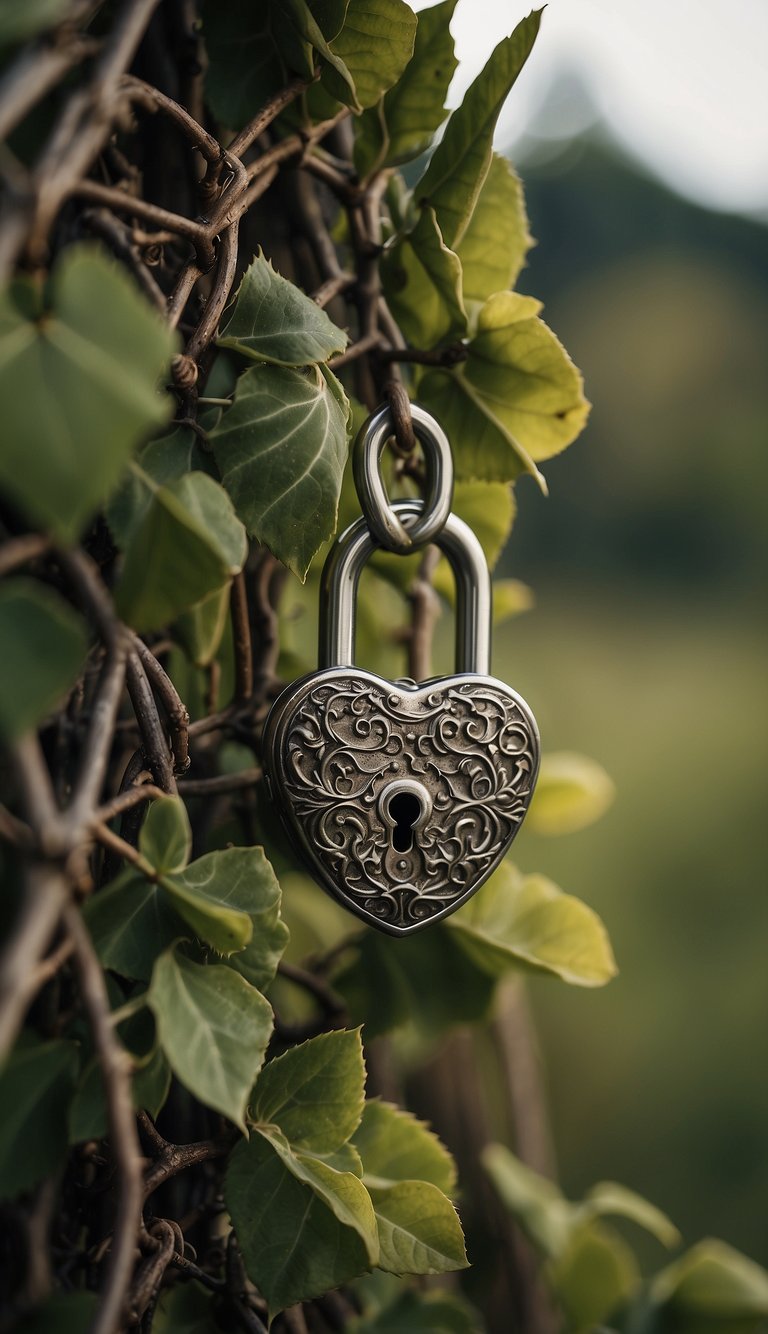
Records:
x=273, y=321
x=281, y=450
x=79, y=382
x=314, y=1092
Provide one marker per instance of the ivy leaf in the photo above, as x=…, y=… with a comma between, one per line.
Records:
x=571, y=793
x=35, y=1087
x=526, y=920
x=302, y=1227
x=273, y=321
x=419, y=1230
x=193, y=542
x=44, y=647
x=214, y=1029
x=422, y=281
x=395, y=1146
x=374, y=47
x=243, y=880
x=196, y=896
x=281, y=450
x=401, y=126
x=131, y=922
x=161, y=462
x=497, y=239
x=88, y=1117
x=460, y=163
x=314, y=1092
x=165, y=839
x=79, y=384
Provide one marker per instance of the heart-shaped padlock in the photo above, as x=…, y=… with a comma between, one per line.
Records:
x=403, y=797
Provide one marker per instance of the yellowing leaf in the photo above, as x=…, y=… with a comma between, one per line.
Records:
x=494, y=246
x=524, y=373
x=459, y=164
x=422, y=282
x=419, y=1230
x=571, y=793
x=526, y=920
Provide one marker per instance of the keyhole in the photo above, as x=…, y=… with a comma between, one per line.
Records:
x=404, y=809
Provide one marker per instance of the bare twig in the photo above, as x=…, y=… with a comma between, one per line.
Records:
x=45, y=894
x=143, y=790
x=330, y=1003
x=116, y=1070
x=181, y=1156
x=21, y=550
x=210, y=787
x=175, y=710
x=241, y=635
x=155, y=744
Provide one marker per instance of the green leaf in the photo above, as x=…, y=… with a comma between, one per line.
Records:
x=20, y=22
x=35, y=1087
x=314, y=1092
x=517, y=365
x=165, y=839
x=44, y=647
x=272, y=321
x=713, y=1280
x=422, y=1313
x=402, y=125
x=375, y=45
x=79, y=384
x=281, y=450
x=298, y=1237
x=526, y=920
x=395, y=1146
x=242, y=881
x=185, y=1309
x=214, y=1029
x=460, y=163
x=160, y=462
x=88, y=1117
x=536, y=1203
x=497, y=240
x=595, y=1275
x=191, y=540
x=252, y=52
x=194, y=895
x=516, y=400
x=609, y=1198
x=383, y=987
x=511, y=598
x=423, y=284
x=200, y=629
x=483, y=448
x=571, y=793
x=419, y=1230
x=62, y=1313
x=131, y=922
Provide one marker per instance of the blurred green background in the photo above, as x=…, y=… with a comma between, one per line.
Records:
x=647, y=651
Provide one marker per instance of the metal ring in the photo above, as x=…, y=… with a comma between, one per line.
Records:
x=388, y=529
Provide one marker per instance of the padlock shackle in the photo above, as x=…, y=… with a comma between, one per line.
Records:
x=341, y=574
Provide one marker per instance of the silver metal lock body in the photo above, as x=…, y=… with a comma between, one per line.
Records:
x=403, y=797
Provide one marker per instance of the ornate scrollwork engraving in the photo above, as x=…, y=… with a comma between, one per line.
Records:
x=467, y=748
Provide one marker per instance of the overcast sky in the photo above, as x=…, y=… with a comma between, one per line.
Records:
x=683, y=83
